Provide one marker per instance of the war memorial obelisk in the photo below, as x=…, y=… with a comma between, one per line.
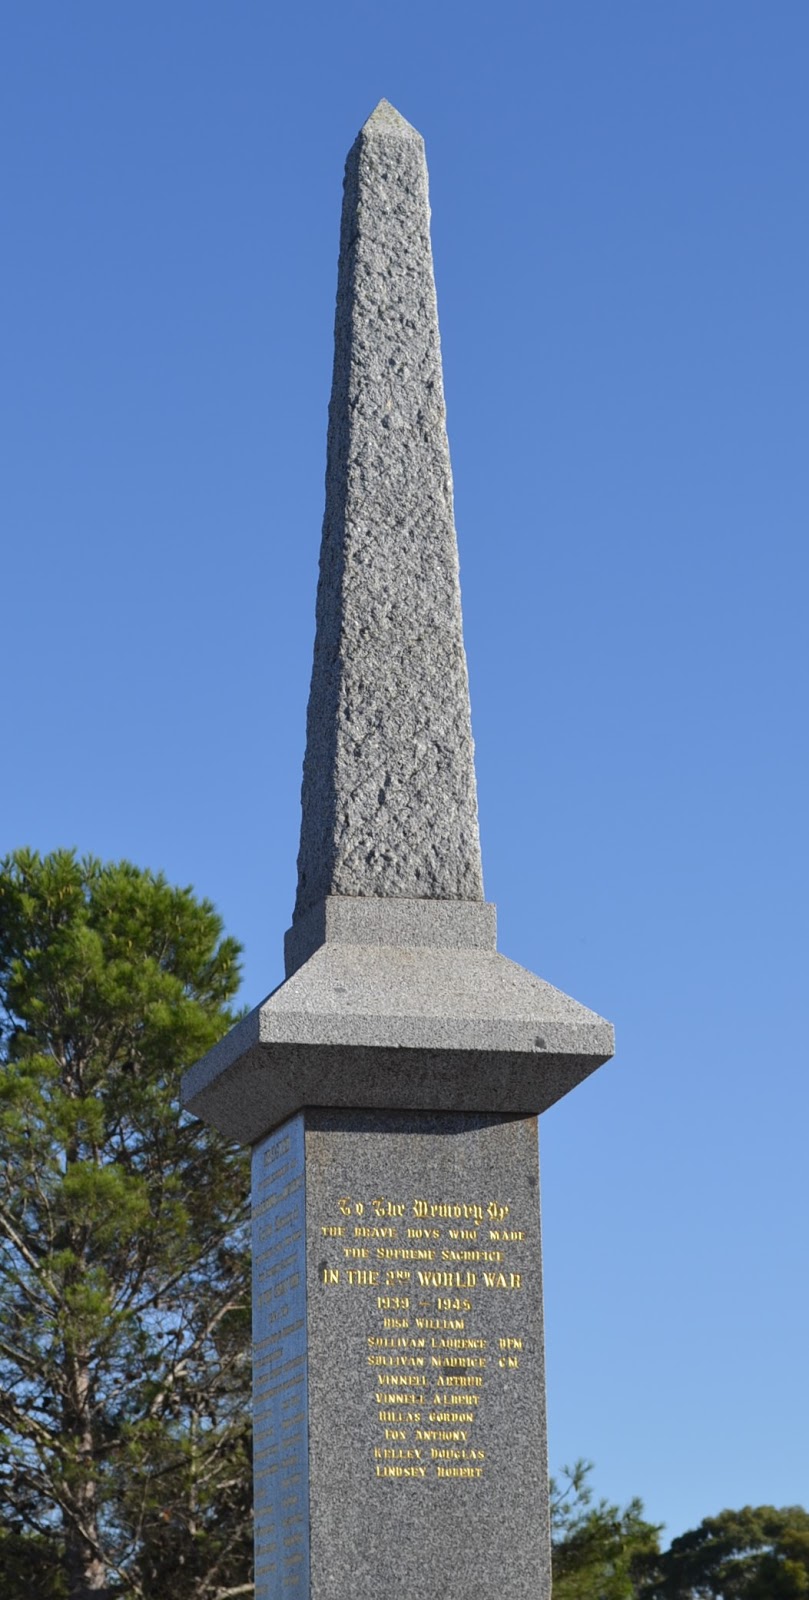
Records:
x=390, y=1086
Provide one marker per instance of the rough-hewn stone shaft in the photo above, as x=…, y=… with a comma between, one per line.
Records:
x=389, y=804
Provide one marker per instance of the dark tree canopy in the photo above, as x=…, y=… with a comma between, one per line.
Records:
x=603, y=1553
x=124, y=1305
x=758, y=1553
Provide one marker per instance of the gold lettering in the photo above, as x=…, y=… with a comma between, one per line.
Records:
x=387, y=1208
x=455, y=1400
x=458, y=1472
x=471, y=1255
x=441, y=1324
x=378, y=1341
x=460, y=1382
x=383, y=1399
x=395, y=1361
x=428, y=1376
x=447, y=1211
x=457, y=1363
x=400, y=1378
x=438, y=1453
x=452, y=1416
x=400, y=1472
x=446, y=1280
x=404, y=1253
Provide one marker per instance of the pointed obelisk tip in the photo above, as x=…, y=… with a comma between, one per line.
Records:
x=389, y=808
x=385, y=119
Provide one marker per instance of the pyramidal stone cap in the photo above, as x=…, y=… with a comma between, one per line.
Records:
x=395, y=994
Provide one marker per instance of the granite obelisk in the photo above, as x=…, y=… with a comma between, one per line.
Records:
x=390, y=1086
x=389, y=803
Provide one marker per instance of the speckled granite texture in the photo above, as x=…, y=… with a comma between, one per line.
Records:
x=280, y=1364
x=435, y=924
x=389, y=803
x=427, y=1464
x=373, y=1019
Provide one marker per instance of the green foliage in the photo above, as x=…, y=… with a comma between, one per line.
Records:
x=30, y=1566
x=759, y=1553
x=124, y=1304
x=603, y=1553
x=599, y=1551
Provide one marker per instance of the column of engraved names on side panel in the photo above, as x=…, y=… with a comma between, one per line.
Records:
x=280, y=1442
x=442, y=1282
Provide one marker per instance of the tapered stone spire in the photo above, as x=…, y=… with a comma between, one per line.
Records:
x=389, y=805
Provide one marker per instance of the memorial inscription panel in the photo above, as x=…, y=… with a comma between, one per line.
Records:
x=422, y=1266
x=425, y=1355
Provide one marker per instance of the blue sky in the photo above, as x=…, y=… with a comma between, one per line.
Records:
x=622, y=255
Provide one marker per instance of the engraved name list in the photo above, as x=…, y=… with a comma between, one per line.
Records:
x=441, y=1282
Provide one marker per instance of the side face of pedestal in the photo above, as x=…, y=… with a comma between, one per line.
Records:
x=280, y=1398
x=401, y=1449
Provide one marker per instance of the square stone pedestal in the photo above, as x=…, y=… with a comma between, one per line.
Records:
x=399, y=1403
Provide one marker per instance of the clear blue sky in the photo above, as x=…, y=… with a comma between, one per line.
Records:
x=622, y=252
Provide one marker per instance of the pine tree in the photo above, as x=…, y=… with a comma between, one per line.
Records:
x=124, y=1300
x=600, y=1552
